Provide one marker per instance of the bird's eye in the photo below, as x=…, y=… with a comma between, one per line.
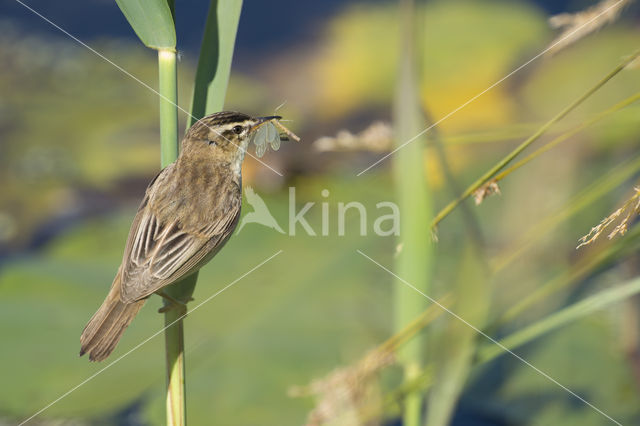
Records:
x=237, y=130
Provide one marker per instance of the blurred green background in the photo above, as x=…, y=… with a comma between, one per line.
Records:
x=79, y=142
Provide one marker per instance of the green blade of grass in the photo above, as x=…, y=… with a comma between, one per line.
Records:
x=513, y=154
x=563, y=137
x=602, y=186
x=552, y=322
x=216, y=54
x=562, y=317
x=152, y=20
x=614, y=252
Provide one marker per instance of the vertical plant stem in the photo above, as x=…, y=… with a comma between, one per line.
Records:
x=413, y=263
x=168, y=88
x=210, y=87
x=174, y=349
x=176, y=387
x=174, y=332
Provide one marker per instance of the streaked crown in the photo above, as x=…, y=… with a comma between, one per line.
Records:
x=226, y=124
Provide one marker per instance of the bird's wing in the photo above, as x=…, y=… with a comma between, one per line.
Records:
x=158, y=254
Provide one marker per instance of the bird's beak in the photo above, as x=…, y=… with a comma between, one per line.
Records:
x=261, y=120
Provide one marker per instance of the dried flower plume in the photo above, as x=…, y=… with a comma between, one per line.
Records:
x=486, y=190
x=377, y=137
x=351, y=395
x=632, y=209
x=347, y=394
x=578, y=25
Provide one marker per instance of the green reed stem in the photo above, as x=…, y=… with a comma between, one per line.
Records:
x=509, y=157
x=414, y=260
x=418, y=323
x=174, y=332
x=168, y=88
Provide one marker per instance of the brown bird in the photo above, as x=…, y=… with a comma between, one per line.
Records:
x=188, y=213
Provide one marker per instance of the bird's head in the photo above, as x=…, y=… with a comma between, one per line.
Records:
x=223, y=136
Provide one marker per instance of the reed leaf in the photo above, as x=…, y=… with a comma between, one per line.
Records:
x=216, y=54
x=152, y=20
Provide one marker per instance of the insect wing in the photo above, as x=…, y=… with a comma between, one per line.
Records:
x=273, y=137
x=260, y=136
x=259, y=139
x=271, y=131
x=261, y=149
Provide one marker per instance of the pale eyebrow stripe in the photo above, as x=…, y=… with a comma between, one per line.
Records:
x=230, y=126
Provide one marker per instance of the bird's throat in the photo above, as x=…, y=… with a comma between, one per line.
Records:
x=236, y=164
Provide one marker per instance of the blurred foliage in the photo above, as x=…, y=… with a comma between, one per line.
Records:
x=66, y=117
x=467, y=46
x=69, y=118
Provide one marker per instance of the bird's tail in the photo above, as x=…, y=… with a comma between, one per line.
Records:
x=101, y=335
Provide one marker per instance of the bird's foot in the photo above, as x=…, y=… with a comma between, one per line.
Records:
x=173, y=303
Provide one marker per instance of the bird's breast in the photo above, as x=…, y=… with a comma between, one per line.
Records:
x=204, y=193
